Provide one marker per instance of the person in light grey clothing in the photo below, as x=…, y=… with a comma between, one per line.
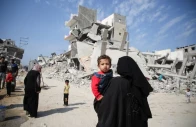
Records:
x=188, y=95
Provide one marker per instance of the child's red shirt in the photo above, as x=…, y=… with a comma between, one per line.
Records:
x=9, y=77
x=94, y=85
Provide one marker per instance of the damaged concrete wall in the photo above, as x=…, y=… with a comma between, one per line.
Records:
x=73, y=49
x=84, y=52
x=10, y=50
x=86, y=17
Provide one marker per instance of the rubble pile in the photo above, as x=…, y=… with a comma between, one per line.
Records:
x=173, y=71
x=9, y=50
x=62, y=71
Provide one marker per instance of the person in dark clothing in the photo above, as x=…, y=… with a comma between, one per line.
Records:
x=125, y=102
x=3, y=69
x=14, y=67
x=32, y=90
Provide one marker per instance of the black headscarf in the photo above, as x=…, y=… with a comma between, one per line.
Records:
x=129, y=69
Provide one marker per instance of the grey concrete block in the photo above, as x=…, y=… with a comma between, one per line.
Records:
x=103, y=47
x=123, y=41
x=94, y=37
x=104, y=34
x=86, y=30
x=75, y=32
x=94, y=29
x=86, y=17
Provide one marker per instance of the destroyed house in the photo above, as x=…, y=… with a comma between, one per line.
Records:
x=10, y=50
x=89, y=38
x=84, y=27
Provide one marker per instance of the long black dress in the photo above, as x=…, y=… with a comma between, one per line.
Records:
x=118, y=108
x=31, y=97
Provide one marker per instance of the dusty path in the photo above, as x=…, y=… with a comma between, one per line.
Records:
x=15, y=115
x=169, y=110
x=52, y=113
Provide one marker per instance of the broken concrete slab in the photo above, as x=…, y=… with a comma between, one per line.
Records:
x=193, y=73
x=84, y=49
x=73, y=20
x=183, y=65
x=104, y=34
x=158, y=66
x=123, y=41
x=75, y=32
x=99, y=49
x=69, y=37
x=86, y=17
x=103, y=47
x=94, y=29
x=151, y=54
x=94, y=37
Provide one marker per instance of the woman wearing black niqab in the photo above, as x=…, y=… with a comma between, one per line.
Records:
x=32, y=89
x=125, y=102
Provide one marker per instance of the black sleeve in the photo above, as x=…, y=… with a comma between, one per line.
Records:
x=17, y=67
x=112, y=108
x=38, y=81
x=25, y=80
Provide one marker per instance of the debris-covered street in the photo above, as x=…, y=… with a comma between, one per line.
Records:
x=168, y=109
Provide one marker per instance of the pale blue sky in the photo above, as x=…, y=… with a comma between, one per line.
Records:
x=152, y=24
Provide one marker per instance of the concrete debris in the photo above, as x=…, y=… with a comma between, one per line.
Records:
x=9, y=50
x=94, y=37
x=166, y=71
x=176, y=74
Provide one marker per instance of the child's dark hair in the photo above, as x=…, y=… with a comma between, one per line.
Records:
x=103, y=57
x=66, y=81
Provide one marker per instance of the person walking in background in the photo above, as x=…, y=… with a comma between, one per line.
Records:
x=9, y=79
x=32, y=90
x=3, y=69
x=101, y=79
x=125, y=101
x=14, y=67
x=66, y=92
x=188, y=95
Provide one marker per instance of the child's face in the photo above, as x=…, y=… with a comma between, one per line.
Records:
x=104, y=65
x=66, y=83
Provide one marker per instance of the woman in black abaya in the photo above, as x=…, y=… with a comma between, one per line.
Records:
x=125, y=101
x=32, y=90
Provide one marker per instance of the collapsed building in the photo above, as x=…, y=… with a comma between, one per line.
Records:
x=10, y=50
x=174, y=70
x=89, y=38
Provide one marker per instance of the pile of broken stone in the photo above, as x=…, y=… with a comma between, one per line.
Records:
x=61, y=71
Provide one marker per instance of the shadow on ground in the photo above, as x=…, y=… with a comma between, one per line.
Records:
x=2, y=96
x=53, y=111
x=12, y=118
x=47, y=87
x=76, y=104
x=14, y=106
x=15, y=95
x=18, y=91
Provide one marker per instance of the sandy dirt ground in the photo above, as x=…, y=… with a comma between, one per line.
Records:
x=169, y=110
